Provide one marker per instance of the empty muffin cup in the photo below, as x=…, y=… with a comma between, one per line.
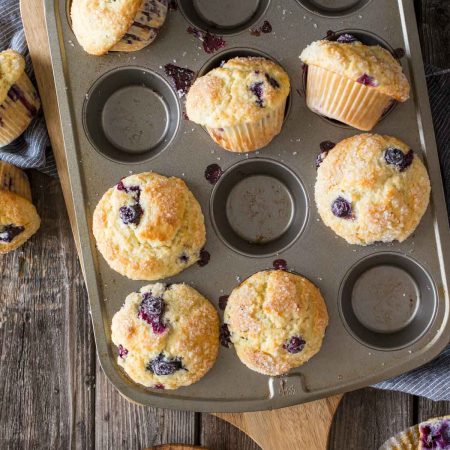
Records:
x=387, y=301
x=131, y=115
x=259, y=207
x=333, y=8
x=219, y=17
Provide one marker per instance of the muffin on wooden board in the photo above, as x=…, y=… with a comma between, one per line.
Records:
x=352, y=82
x=276, y=321
x=19, y=101
x=167, y=336
x=19, y=219
x=371, y=188
x=120, y=25
x=241, y=103
x=149, y=227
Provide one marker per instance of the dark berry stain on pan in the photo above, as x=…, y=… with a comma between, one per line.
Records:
x=399, y=53
x=265, y=28
x=225, y=336
x=341, y=208
x=295, y=345
x=122, y=351
x=395, y=157
x=181, y=76
x=164, y=366
x=159, y=386
x=223, y=300
x=9, y=232
x=211, y=42
x=173, y=5
x=213, y=173
x=280, y=264
x=204, y=258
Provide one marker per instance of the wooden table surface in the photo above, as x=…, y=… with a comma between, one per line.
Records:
x=53, y=392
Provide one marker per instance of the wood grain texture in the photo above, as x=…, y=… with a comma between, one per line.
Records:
x=48, y=367
x=44, y=334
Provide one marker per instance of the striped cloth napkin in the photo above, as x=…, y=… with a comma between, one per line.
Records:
x=31, y=150
x=433, y=379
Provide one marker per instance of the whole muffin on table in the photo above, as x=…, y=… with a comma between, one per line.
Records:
x=276, y=321
x=167, y=336
x=352, y=82
x=371, y=188
x=19, y=219
x=120, y=25
x=19, y=101
x=241, y=103
x=149, y=227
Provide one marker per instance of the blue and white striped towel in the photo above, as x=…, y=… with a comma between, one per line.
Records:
x=431, y=380
x=32, y=148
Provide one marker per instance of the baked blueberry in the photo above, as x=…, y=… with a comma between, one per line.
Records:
x=435, y=435
x=366, y=80
x=341, y=208
x=397, y=158
x=213, y=173
x=152, y=310
x=295, y=345
x=164, y=366
x=326, y=146
x=225, y=336
x=9, y=232
x=346, y=38
x=274, y=83
x=122, y=351
x=131, y=214
x=280, y=264
x=204, y=258
x=257, y=90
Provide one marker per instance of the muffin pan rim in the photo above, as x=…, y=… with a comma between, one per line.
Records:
x=181, y=399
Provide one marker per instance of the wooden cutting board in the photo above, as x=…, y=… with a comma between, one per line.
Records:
x=303, y=427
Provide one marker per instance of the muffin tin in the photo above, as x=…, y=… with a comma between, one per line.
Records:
x=388, y=303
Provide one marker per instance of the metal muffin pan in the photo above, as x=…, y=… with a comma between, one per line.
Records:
x=388, y=303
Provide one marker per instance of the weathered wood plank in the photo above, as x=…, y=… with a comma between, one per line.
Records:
x=216, y=434
x=121, y=424
x=427, y=409
x=44, y=335
x=366, y=418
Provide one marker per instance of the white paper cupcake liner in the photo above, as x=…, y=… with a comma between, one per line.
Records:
x=17, y=110
x=332, y=95
x=249, y=137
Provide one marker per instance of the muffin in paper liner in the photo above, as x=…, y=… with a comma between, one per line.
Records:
x=121, y=26
x=352, y=82
x=19, y=101
x=332, y=95
x=249, y=137
x=145, y=27
x=19, y=219
x=431, y=434
x=14, y=180
x=241, y=103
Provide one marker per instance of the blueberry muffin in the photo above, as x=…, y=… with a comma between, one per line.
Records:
x=276, y=321
x=120, y=25
x=371, y=188
x=19, y=101
x=352, y=82
x=435, y=434
x=241, y=103
x=149, y=227
x=167, y=336
x=19, y=219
